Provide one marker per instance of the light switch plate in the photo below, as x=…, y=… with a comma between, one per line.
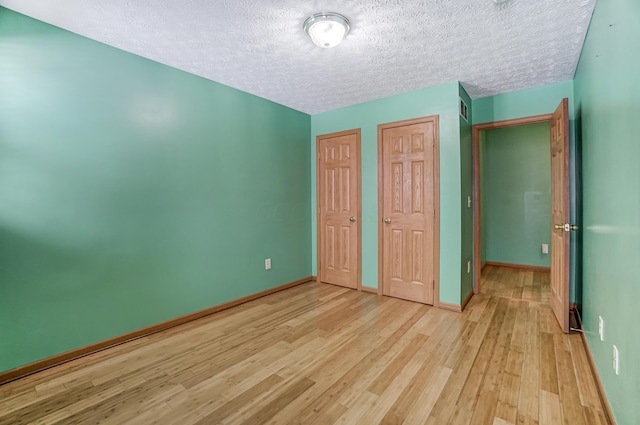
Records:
x=601, y=328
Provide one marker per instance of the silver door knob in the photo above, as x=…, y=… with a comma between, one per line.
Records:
x=387, y=220
x=352, y=219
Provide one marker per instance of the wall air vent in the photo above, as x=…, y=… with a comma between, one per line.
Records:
x=464, y=111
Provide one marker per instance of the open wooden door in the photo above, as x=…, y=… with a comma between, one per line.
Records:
x=560, y=237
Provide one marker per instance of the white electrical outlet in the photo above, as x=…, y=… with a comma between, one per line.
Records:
x=468, y=201
x=616, y=360
x=267, y=264
x=545, y=248
x=468, y=267
x=601, y=328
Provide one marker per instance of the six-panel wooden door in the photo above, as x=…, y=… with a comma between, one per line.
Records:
x=338, y=198
x=560, y=237
x=408, y=208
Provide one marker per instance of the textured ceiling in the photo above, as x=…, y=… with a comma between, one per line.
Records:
x=394, y=46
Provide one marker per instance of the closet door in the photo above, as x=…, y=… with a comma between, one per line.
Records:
x=338, y=197
x=408, y=205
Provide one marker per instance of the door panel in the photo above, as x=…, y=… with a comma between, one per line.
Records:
x=560, y=238
x=338, y=195
x=408, y=204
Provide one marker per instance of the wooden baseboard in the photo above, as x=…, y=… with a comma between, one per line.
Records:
x=451, y=307
x=484, y=265
x=518, y=266
x=40, y=365
x=370, y=289
x=456, y=307
x=608, y=413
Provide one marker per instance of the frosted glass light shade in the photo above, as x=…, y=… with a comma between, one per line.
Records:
x=327, y=29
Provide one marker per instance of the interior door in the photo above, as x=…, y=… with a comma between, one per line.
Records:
x=560, y=237
x=338, y=198
x=408, y=196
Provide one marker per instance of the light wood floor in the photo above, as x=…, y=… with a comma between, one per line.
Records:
x=320, y=354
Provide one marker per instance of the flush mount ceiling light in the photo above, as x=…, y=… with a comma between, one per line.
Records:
x=327, y=29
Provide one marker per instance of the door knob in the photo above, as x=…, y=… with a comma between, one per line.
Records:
x=566, y=227
x=387, y=220
x=352, y=219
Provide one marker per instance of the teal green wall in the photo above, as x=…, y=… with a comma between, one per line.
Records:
x=466, y=181
x=441, y=100
x=132, y=193
x=608, y=110
x=523, y=103
x=517, y=182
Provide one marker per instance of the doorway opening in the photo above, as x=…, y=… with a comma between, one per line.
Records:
x=515, y=180
x=558, y=224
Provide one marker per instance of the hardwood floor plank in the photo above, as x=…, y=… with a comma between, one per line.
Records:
x=538, y=289
x=396, y=365
x=361, y=405
x=269, y=410
x=572, y=413
x=550, y=412
x=348, y=369
x=423, y=406
x=528, y=292
x=528, y=400
x=233, y=405
x=499, y=421
x=594, y=416
x=507, y=407
x=476, y=308
x=87, y=403
x=433, y=354
x=485, y=320
x=331, y=414
x=322, y=354
x=485, y=408
x=549, y=374
x=130, y=400
x=586, y=384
